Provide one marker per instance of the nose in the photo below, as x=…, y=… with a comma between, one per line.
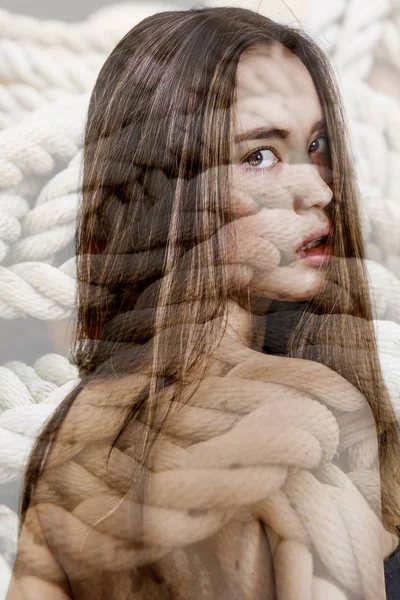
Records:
x=308, y=189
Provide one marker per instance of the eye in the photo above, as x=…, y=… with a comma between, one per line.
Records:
x=261, y=159
x=322, y=148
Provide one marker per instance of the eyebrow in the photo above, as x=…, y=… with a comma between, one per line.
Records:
x=263, y=133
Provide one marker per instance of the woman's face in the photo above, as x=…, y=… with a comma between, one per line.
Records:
x=281, y=166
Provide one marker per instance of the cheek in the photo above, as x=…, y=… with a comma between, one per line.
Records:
x=252, y=192
x=284, y=228
x=264, y=195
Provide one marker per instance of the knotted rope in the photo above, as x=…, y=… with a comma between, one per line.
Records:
x=47, y=69
x=285, y=441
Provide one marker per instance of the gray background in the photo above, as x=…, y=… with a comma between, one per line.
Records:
x=72, y=10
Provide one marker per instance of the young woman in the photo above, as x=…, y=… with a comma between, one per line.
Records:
x=215, y=448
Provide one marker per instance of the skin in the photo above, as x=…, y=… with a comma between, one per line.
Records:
x=279, y=207
x=280, y=193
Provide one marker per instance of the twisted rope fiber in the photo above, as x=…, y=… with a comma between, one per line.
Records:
x=50, y=229
x=31, y=84
x=307, y=441
x=42, y=244
x=257, y=440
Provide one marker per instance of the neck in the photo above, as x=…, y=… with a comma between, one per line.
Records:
x=247, y=328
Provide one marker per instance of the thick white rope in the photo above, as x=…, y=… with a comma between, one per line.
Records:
x=42, y=60
x=47, y=69
x=268, y=423
x=100, y=32
x=31, y=147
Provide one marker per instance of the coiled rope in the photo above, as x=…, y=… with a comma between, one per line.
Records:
x=47, y=70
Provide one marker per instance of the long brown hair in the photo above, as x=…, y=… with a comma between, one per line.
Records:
x=156, y=186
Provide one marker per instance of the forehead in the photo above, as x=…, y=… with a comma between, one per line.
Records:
x=274, y=87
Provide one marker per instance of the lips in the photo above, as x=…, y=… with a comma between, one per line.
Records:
x=319, y=233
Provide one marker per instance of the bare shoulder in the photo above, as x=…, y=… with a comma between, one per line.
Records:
x=36, y=572
x=86, y=495
x=94, y=419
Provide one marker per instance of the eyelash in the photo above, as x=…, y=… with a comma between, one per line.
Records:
x=273, y=150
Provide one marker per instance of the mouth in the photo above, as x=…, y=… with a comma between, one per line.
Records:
x=315, y=249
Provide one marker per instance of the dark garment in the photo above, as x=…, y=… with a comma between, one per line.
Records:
x=281, y=319
x=392, y=575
